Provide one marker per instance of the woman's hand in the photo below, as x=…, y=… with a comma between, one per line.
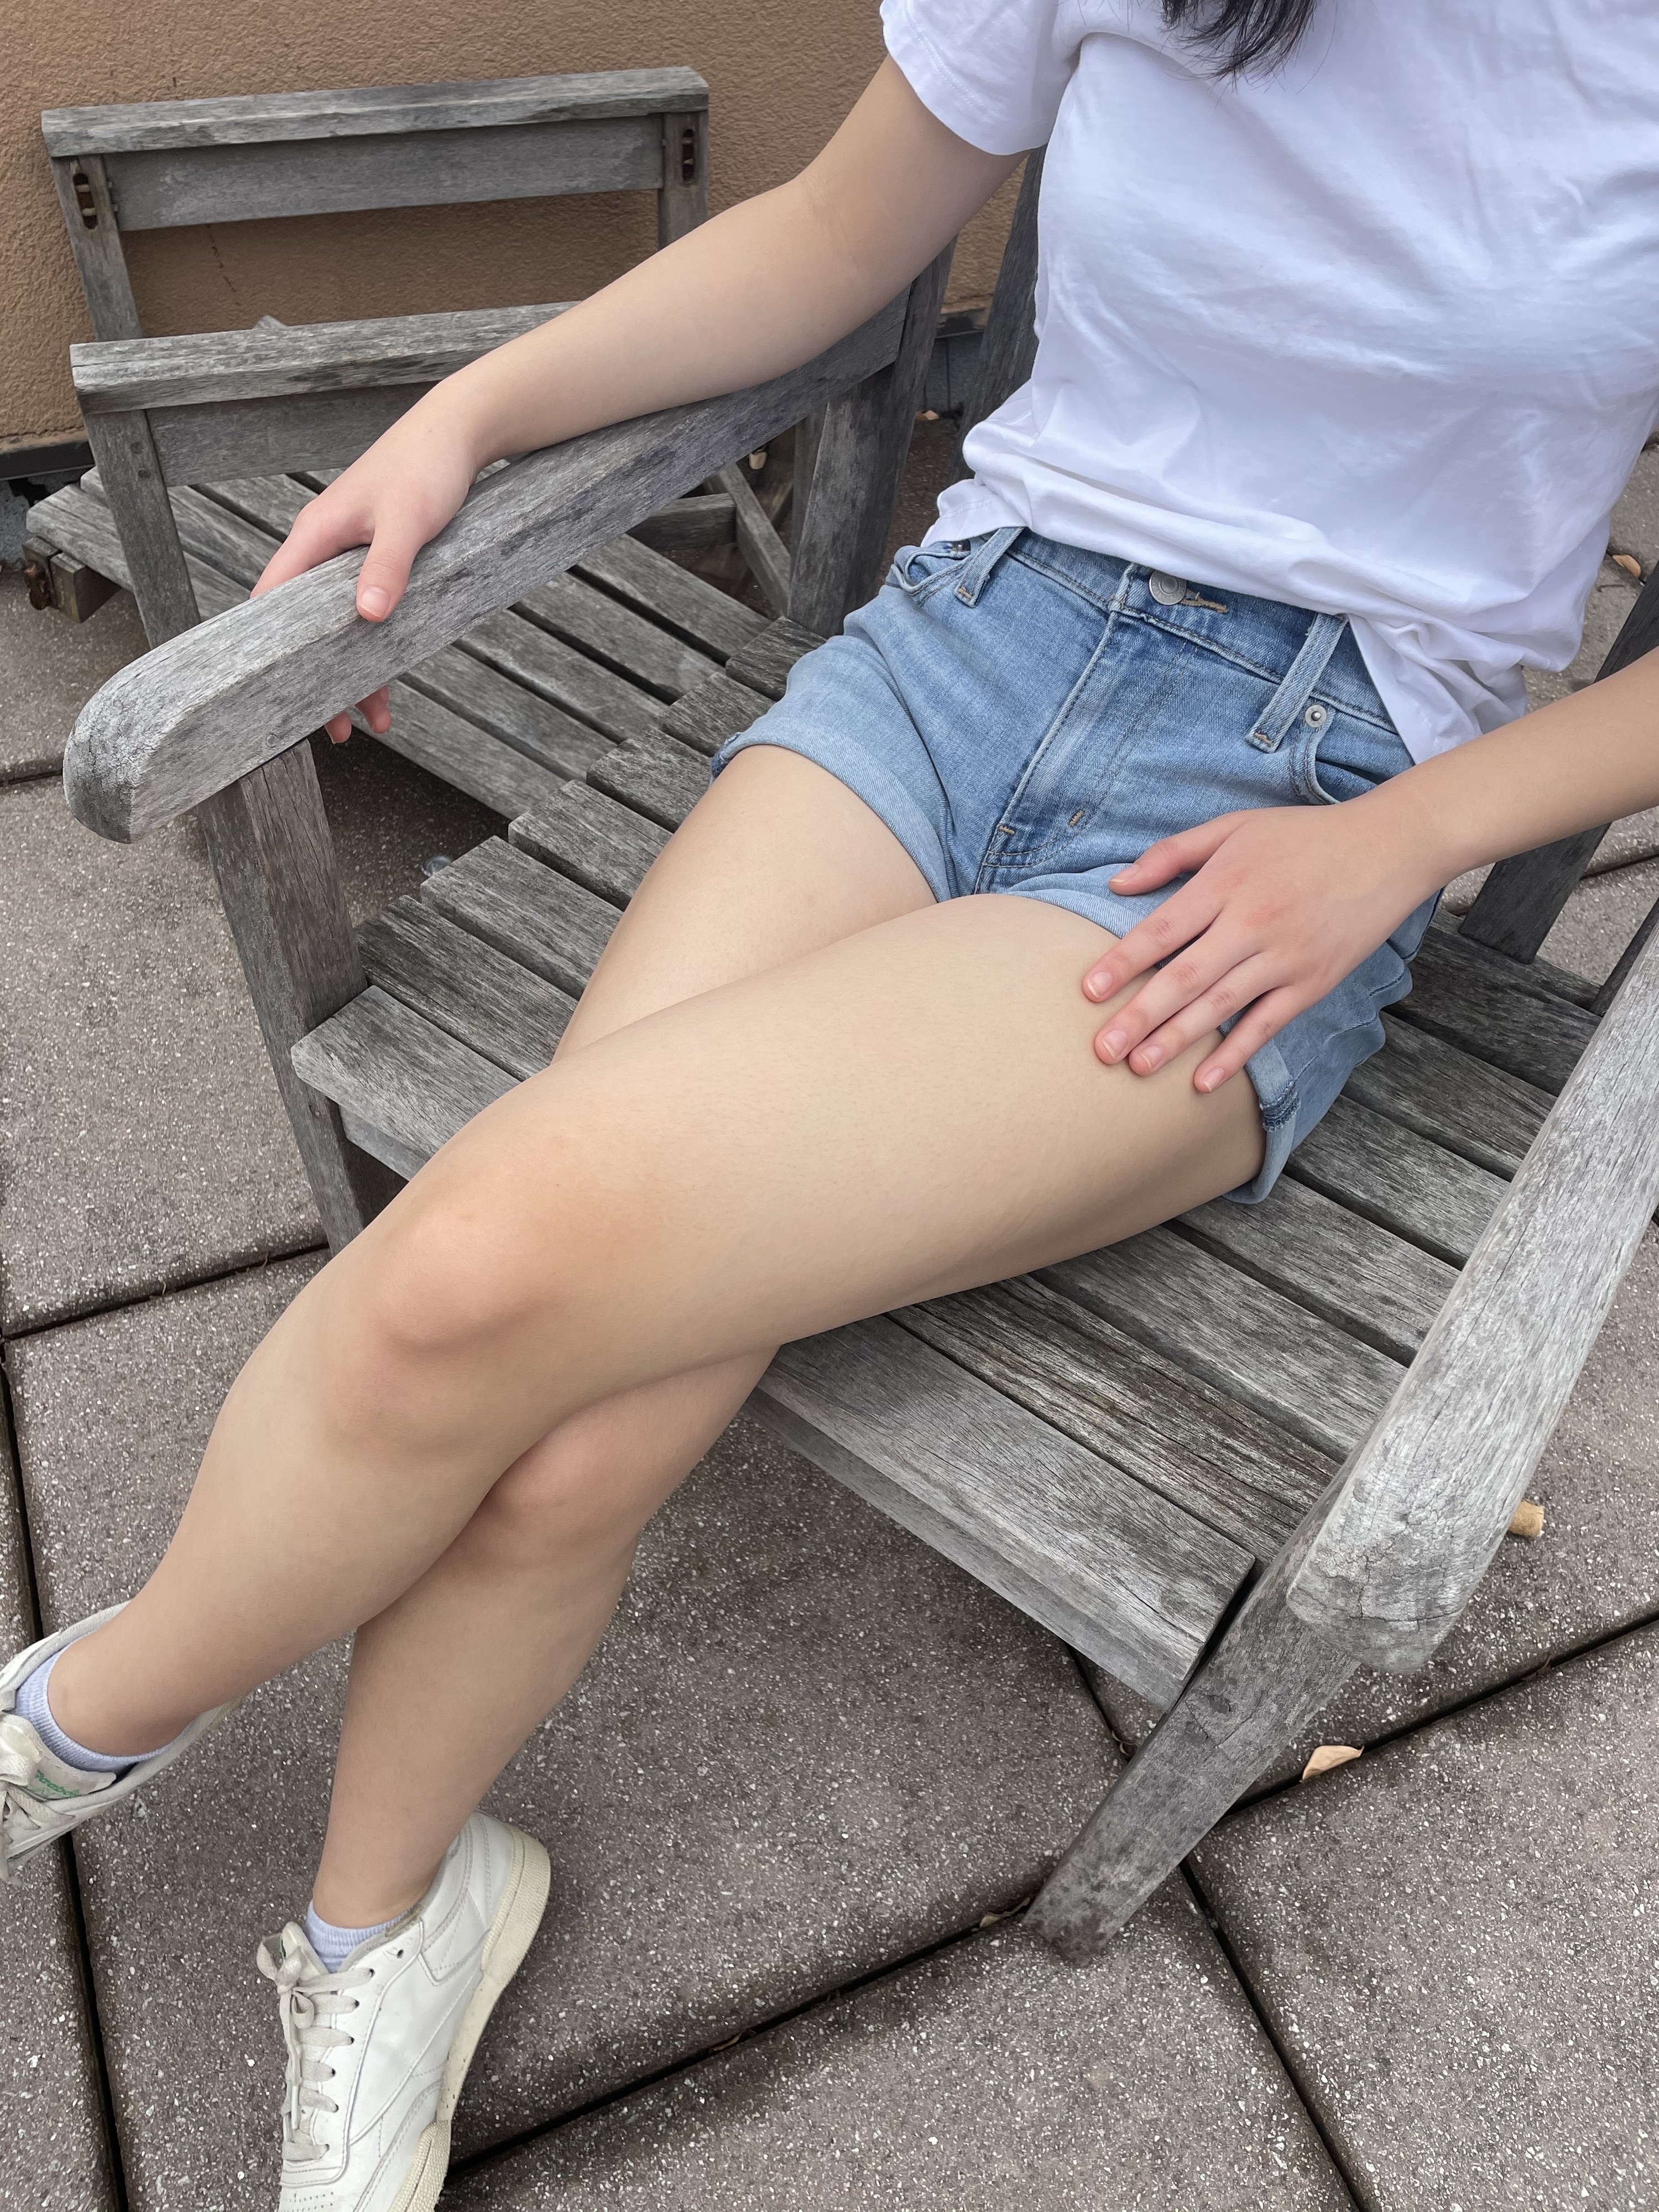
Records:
x=1283, y=903
x=395, y=499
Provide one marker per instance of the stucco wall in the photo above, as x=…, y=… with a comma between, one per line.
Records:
x=782, y=73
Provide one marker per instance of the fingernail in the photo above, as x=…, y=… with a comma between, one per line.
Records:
x=374, y=600
x=1114, y=1043
x=1094, y=987
x=1208, y=1077
x=1148, y=1057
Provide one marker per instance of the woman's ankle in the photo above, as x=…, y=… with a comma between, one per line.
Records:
x=367, y=1897
x=105, y=1717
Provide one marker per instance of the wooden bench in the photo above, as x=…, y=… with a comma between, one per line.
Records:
x=1229, y=1459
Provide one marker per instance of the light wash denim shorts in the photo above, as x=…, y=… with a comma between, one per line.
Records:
x=1027, y=717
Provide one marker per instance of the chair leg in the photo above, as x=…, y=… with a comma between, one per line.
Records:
x=1268, y=1678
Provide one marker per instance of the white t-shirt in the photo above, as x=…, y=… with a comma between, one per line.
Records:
x=1377, y=335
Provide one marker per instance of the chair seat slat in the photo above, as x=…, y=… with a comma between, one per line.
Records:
x=550, y=925
x=717, y=709
x=655, y=776
x=592, y=839
x=464, y=986
x=640, y=651
x=1381, y=1169
x=1370, y=1284
x=1252, y=1343
x=1482, y=1112
x=660, y=588
x=1206, y=1453
x=1104, y=1562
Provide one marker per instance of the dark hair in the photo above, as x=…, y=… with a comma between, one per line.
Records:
x=1243, y=34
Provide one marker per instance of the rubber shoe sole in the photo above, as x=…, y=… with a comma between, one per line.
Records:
x=512, y=1932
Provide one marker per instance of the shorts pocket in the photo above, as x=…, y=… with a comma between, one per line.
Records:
x=1344, y=757
x=918, y=569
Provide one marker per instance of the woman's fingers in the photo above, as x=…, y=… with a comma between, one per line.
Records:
x=1180, y=855
x=376, y=711
x=319, y=532
x=1178, y=922
x=385, y=574
x=1212, y=982
x=1265, y=1019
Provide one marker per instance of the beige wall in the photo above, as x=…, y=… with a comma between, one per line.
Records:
x=781, y=75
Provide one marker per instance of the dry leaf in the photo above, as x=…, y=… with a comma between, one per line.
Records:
x=757, y=459
x=1329, y=1755
x=1630, y=564
x=929, y=415
x=1527, y=1518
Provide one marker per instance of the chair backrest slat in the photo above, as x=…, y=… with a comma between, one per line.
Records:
x=164, y=164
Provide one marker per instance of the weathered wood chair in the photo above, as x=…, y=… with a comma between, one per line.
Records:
x=1230, y=1459
x=217, y=415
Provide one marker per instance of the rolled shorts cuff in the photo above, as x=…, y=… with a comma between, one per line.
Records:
x=887, y=795
x=1277, y=1097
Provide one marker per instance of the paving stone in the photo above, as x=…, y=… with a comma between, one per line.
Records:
x=807, y=1749
x=989, y=2079
x=1636, y=518
x=1600, y=918
x=142, y=1143
x=54, y=2157
x=1593, y=1571
x=51, y=667
x=1457, y=1939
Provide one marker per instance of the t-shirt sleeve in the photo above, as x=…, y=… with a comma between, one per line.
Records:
x=991, y=70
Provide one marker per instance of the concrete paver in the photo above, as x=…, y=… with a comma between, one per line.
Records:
x=1457, y=1939
x=142, y=1143
x=1595, y=1570
x=54, y=2157
x=808, y=1749
x=53, y=668
x=989, y=2079
x=1600, y=918
x=1636, y=518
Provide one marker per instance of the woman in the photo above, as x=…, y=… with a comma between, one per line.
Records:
x=1350, y=336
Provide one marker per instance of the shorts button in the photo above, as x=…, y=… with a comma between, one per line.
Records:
x=1168, y=591
x=1316, y=716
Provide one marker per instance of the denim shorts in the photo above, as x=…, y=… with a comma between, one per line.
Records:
x=1027, y=717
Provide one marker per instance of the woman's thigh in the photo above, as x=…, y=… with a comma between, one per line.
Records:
x=777, y=858
x=899, y=1113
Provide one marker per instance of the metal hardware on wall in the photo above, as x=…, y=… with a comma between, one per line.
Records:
x=84, y=199
x=689, y=155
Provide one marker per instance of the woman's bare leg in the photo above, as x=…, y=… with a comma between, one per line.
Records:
x=906, y=1111
x=435, y=1709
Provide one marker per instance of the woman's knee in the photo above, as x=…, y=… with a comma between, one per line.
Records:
x=572, y=1497
x=450, y=1276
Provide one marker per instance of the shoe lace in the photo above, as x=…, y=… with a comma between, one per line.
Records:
x=309, y=2032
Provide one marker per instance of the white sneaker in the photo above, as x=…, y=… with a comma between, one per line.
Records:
x=378, y=2051
x=41, y=1797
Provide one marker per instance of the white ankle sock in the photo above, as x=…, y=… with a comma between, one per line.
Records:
x=35, y=1707
x=334, y=1946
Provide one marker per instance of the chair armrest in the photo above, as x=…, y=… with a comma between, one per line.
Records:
x=1425, y=1499
x=211, y=704
x=271, y=362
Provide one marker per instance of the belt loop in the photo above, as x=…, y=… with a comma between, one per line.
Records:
x=977, y=573
x=1324, y=635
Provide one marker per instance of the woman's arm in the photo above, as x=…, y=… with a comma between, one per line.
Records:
x=755, y=291
x=1285, y=902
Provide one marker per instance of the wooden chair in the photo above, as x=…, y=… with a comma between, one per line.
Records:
x=219, y=415
x=1230, y=1459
